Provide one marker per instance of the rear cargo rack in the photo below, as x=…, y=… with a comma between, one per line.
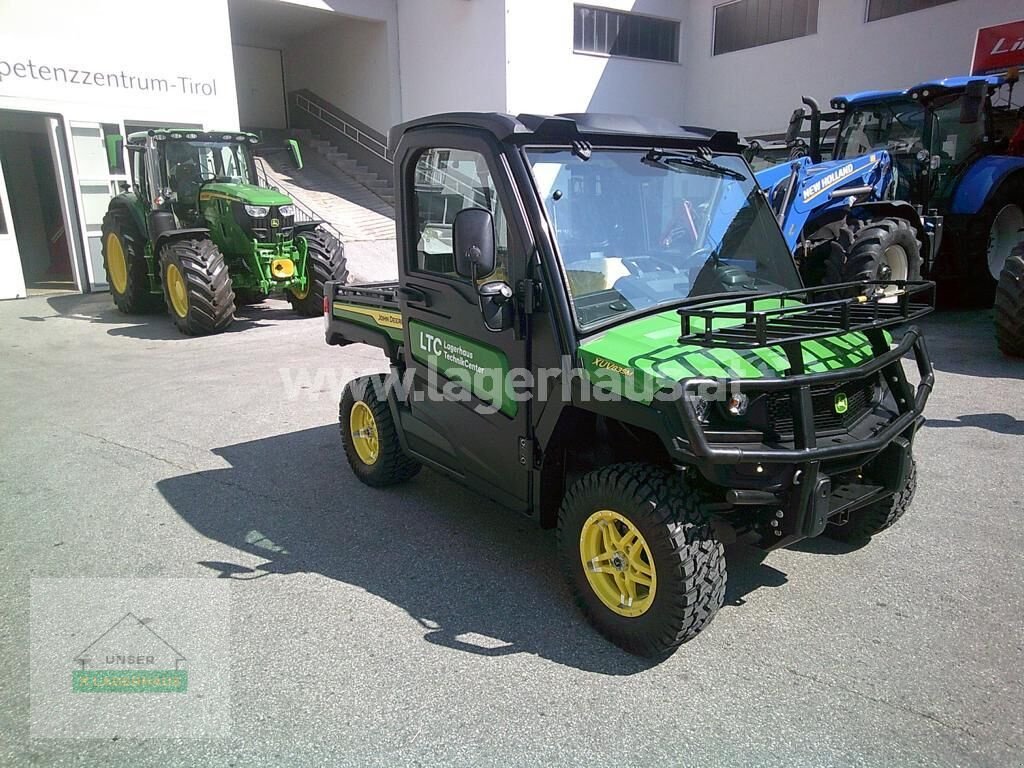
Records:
x=805, y=314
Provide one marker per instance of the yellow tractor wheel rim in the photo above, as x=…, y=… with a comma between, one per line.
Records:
x=117, y=265
x=363, y=428
x=177, y=290
x=618, y=563
x=301, y=293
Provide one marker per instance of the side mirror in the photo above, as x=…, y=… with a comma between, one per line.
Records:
x=473, y=242
x=296, y=153
x=970, y=103
x=115, y=147
x=796, y=122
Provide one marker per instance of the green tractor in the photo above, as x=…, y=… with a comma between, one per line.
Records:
x=197, y=230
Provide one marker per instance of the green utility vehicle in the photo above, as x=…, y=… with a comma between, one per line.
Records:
x=197, y=230
x=597, y=323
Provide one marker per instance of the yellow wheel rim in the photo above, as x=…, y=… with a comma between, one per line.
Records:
x=117, y=265
x=177, y=290
x=618, y=563
x=301, y=293
x=363, y=428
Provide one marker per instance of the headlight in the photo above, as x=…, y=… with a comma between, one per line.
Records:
x=737, y=404
x=286, y=210
x=701, y=406
x=257, y=211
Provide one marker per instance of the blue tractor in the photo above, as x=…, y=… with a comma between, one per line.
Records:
x=958, y=147
x=840, y=218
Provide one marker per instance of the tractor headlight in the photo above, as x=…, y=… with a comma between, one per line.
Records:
x=257, y=211
x=286, y=210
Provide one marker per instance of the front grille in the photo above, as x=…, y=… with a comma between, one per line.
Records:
x=260, y=229
x=860, y=397
x=264, y=231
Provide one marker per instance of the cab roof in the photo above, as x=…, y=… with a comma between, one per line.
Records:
x=192, y=134
x=592, y=127
x=934, y=87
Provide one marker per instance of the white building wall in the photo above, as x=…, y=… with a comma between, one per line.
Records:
x=69, y=45
x=451, y=55
x=346, y=63
x=546, y=76
x=755, y=90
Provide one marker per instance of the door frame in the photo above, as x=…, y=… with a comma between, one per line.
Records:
x=449, y=434
x=9, y=253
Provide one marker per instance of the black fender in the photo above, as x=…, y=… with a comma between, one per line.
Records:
x=177, y=234
x=930, y=237
x=306, y=226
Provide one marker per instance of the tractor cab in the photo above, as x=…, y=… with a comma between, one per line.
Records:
x=933, y=130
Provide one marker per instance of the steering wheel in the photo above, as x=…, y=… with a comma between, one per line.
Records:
x=659, y=265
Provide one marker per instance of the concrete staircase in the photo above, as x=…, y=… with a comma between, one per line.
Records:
x=382, y=187
x=363, y=216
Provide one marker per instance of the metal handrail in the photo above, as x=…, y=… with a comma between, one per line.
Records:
x=368, y=142
x=307, y=213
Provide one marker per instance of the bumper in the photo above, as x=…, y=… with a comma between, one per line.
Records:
x=797, y=490
x=909, y=403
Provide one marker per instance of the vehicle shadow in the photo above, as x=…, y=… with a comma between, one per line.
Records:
x=1001, y=423
x=964, y=342
x=475, y=577
x=154, y=326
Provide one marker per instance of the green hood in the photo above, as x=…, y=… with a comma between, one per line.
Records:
x=643, y=355
x=249, y=194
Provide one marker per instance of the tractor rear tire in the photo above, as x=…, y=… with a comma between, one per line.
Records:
x=1001, y=219
x=124, y=260
x=325, y=260
x=370, y=437
x=197, y=286
x=873, y=519
x=640, y=557
x=877, y=250
x=1009, y=309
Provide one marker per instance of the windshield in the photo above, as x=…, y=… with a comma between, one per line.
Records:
x=637, y=229
x=897, y=126
x=189, y=164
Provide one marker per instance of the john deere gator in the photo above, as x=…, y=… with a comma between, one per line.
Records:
x=196, y=232
x=597, y=323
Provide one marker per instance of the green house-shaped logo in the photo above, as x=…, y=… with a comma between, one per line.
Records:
x=842, y=404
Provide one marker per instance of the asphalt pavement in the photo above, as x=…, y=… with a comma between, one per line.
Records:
x=422, y=625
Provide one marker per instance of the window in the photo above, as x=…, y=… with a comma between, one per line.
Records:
x=750, y=23
x=613, y=33
x=446, y=182
x=637, y=230
x=883, y=9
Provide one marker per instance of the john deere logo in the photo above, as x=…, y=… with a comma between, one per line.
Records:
x=842, y=404
x=274, y=223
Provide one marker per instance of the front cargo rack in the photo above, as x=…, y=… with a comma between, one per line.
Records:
x=805, y=314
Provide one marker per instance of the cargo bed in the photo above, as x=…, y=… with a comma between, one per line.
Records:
x=367, y=313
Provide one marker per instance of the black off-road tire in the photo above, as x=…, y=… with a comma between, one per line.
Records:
x=245, y=297
x=211, y=300
x=1009, y=309
x=136, y=297
x=688, y=561
x=872, y=520
x=325, y=260
x=863, y=247
x=981, y=286
x=392, y=465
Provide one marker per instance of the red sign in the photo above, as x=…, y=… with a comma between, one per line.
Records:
x=998, y=48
